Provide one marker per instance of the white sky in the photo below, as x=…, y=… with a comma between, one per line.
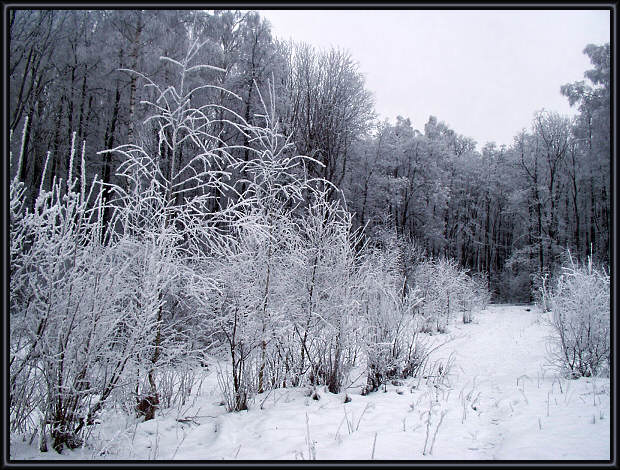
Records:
x=484, y=72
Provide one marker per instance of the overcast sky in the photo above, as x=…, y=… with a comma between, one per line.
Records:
x=485, y=73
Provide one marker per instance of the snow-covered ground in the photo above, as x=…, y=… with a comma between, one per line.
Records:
x=499, y=401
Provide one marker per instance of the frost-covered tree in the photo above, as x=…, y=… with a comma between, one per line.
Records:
x=589, y=157
x=580, y=315
x=329, y=107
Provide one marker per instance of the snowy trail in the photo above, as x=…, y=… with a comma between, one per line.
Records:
x=499, y=402
x=525, y=411
x=504, y=348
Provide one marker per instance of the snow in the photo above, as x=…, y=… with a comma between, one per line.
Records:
x=500, y=400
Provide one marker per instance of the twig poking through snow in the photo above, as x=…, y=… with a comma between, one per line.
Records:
x=178, y=446
x=428, y=426
x=309, y=442
x=443, y=413
x=361, y=416
x=372, y=456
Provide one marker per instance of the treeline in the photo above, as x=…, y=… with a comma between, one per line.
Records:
x=510, y=211
x=69, y=72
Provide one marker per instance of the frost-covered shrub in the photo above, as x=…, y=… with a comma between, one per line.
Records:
x=447, y=289
x=473, y=294
x=541, y=286
x=580, y=315
x=404, y=356
x=438, y=281
x=69, y=341
x=389, y=309
x=237, y=302
x=381, y=313
x=281, y=302
x=327, y=291
x=427, y=280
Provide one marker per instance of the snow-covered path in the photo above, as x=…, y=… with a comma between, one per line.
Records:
x=524, y=410
x=499, y=401
x=501, y=353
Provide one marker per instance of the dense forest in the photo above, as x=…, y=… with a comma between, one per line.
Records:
x=509, y=211
x=239, y=191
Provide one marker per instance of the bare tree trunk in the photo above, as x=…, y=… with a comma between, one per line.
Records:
x=107, y=159
x=263, y=344
x=135, y=54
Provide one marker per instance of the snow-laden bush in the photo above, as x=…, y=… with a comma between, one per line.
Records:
x=541, y=286
x=580, y=315
x=473, y=295
x=206, y=236
x=435, y=278
x=383, y=316
x=389, y=310
x=326, y=268
x=69, y=337
x=98, y=272
x=239, y=312
x=397, y=304
x=447, y=289
x=282, y=302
